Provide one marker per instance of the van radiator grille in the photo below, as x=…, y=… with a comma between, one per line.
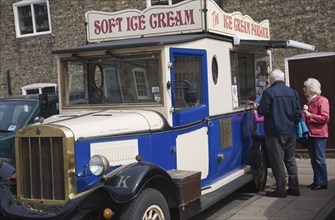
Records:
x=42, y=168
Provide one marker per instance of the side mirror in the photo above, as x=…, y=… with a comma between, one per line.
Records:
x=190, y=92
x=43, y=98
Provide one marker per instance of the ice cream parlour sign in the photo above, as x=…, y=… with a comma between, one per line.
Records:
x=185, y=17
x=231, y=24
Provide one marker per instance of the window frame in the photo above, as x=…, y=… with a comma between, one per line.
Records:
x=237, y=78
x=215, y=70
x=124, y=62
x=141, y=97
x=107, y=86
x=30, y=3
x=235, y=74
x=181, y=117
x=150, y=3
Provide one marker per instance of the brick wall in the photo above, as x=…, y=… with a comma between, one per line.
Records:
x=26, y=59
x=29, y=59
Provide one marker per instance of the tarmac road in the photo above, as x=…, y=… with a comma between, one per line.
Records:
x=313, y=205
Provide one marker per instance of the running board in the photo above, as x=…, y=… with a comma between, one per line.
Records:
x=209, y=199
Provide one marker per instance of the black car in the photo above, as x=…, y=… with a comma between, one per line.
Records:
x=17, y=112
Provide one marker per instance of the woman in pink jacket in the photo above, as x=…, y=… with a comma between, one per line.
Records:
x=316, y=113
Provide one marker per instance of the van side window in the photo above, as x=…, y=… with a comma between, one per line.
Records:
x=114, y=79
x=189, y=83
x=243, y=77
x=187, y=80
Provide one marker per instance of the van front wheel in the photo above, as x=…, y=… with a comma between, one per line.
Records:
x=149, y=204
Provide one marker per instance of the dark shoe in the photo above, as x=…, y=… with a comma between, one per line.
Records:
x=275, y=194
x=319, y=187
x=292, y=193
x=310, y=185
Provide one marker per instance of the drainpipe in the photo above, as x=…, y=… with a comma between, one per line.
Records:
x=221, y=3
x=9, y=89
x=86, y=23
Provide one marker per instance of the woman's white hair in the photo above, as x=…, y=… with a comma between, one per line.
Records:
x=313, y=85
x=277, y=74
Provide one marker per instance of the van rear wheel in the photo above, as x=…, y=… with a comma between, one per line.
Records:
x=259, y=182
x=149, y=204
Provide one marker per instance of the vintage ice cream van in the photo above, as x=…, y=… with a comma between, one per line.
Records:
x=153, y=121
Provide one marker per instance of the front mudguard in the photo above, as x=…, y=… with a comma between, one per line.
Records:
x=129, y=181
x=6, y=174
x=113, y=191
x=84, y=207
x=6, y=171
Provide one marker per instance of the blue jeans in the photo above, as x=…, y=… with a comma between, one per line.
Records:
x=317, y=152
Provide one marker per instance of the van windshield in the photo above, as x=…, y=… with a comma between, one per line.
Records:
x=14, y=114
x=122, y=79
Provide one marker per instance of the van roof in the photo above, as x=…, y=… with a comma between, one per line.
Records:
x=177, y=39
x=141, y=42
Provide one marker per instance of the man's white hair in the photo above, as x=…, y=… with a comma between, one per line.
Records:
x=277, y=74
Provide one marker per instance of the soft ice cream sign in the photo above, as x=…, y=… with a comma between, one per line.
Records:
x=184, y=17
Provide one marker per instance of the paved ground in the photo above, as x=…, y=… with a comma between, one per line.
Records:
x=316, y=205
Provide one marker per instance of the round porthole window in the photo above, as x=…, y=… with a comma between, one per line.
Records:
x=98, y=77
x=215, y=70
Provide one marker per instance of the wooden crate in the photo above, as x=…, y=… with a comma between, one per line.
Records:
x=188, y=184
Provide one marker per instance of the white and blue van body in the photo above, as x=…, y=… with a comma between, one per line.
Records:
x=153, y=118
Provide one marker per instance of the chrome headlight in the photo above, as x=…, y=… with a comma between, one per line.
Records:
x=98, y=165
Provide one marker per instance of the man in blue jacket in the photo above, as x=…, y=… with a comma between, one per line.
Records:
x=281, y=108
